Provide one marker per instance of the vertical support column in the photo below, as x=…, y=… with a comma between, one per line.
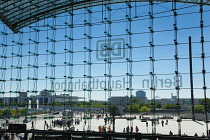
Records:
x=104, y=13
x=37, y=104
x=152, y=65
x=46, y=68
x=53, y=67
x=66, y=88
x=191, y=78
x=19, y=65
x=16, y=65
x=177, y=74
x=69, y=35
x=71, y=55
x=36, y=64
x=129, y=59
x=88, y=63
x=108, y=58
x=29, y=104
x=109, y=61
x=85, y=65
x=203, y=66
x=51, y=64
x=33, y=62
x=3, y=66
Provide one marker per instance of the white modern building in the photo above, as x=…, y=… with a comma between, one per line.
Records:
x=125, y=100
x=44, y=97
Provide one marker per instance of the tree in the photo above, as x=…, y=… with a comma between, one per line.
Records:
x=141, y=104
x=144, y=109
x=57, y=104
x=135, y=101
x=1, y=103
x=158, y=105
x=199, y=109
x=170, y=106
x=97, y=104
x=13, y=103
x=202, y=102
x=133, y=108
x=2, y=112
x=21, y=104
x=149, y=104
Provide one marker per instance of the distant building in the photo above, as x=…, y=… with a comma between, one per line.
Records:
x=125, y=100
x=44, y=97
x=23, y=94
x=140, y=93
x=20, y=99
x=184, y=102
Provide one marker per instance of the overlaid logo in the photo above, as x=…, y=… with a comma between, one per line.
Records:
x=113, y=47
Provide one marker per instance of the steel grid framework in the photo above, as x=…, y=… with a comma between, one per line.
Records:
x=19, y=14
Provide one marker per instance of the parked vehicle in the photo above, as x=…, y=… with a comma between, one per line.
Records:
x=144, y=120
x=56, y=112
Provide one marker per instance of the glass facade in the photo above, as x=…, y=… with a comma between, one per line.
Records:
x=19, y=14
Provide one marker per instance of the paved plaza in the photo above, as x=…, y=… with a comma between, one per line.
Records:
x=188, y=127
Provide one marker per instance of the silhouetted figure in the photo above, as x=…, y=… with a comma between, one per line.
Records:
x=166, y=122
x=47, y=126
x=127, y=129
x=203, y=135
x=184, y=134
x=137, y=129
x=32, y=125
x=162, y=123
x=12, y=136
x=195, y=134
x=131, y=129
x=152, y=123
x=6, y=137
x=7, y=122
x=170, y=133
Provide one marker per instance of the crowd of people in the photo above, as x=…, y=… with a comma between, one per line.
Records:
x=130, y=129
x=69, y=123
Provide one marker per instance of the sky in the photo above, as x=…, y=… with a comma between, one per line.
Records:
x=188, y=22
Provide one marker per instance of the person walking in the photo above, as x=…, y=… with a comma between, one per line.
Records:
x=32, y=125
x=166, y=122
x=131, y=129
x=162, y=123
x=137, y=129
x=147, y=126
x=127, y=129
x=123, y=130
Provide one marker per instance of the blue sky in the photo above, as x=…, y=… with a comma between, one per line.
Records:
x=164, y=54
